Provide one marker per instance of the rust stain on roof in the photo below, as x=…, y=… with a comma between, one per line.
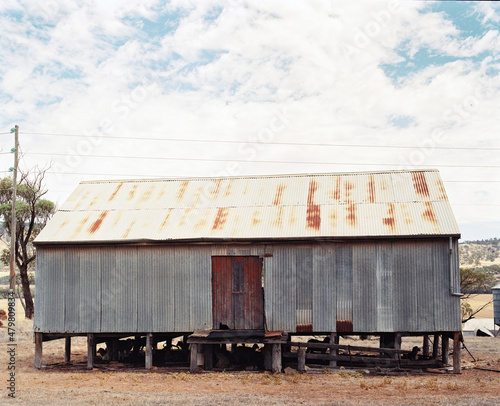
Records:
x=131, y=194
x=313, y=214
x=278, y=196
x=113, y=195
x=165, y=219
x=215, y=189
x=182, y=189
x=83, y=199
x=64, y=223
x=197, y=196
x=161, y=194
x=220, y=218
x=348, y=186
x=429, y=214
x=256, y=218
x=420, y=184
x=292, y=219
x=407, y=218
x=97, y=224
x=246, y=188
x=228, y=188
x=93, y=202
x=333, y=219
x=336, y=192
x=371, y=189
x=147, y=195
x=352, y=213
x=201, y=223
x=441, y=189
x=278, y=220
x=80, y=226
x=185, y=216
x=129, y=229
x=390, y=219
x=117, y=218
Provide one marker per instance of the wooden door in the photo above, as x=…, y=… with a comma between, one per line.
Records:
x=237, y=294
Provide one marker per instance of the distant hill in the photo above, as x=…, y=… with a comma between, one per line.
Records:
x=480, y=253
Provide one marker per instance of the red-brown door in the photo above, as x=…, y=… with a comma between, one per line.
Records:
x=237, y=294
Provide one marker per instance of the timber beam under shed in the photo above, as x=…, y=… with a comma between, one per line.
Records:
x=203, y=342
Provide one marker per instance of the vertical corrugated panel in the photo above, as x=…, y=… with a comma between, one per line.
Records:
x=90, y=289
x=324, y=288
x=181, y=280
x=280, y=290
x=146, y=290
x=403, y=282
x=201, y=292
x=110, y=290
x=53, y=300
x=269, y=313
x=127, y=300
x=496, y=304
x=451, y=316
x=343, y=268
x=304, y=272
x=40, y=289
x=166, y=319
x=72, y=294
x=424, y=268
x=364, y=269
x=385, y=287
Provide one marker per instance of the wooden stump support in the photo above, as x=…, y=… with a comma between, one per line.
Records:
x=334, y=339
x=276, y=358
x=67, y=349
x=90, y=351
x=425, y=346
x=38, y=350
x=193, y=362
x=301, y=365
x=457, y=355
x=445, y=349
x=149, y=351
x=435, y=347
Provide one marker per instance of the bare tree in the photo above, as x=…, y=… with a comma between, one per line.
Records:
x=32, y=213
x=473, y=282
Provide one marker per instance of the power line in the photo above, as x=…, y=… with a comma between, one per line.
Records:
x=302, y=144
x=260, y=161
x=121, y=175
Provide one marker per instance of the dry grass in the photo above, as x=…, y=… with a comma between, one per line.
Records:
x=478, y=301
x=66, y=386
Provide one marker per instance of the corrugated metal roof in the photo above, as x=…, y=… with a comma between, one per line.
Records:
x=392, y=203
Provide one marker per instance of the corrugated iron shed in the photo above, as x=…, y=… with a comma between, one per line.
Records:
x=365, y=204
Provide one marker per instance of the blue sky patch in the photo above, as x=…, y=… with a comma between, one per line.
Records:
x=401, y=121
x=465, y=19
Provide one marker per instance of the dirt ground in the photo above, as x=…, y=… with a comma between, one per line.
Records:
x=73, y=385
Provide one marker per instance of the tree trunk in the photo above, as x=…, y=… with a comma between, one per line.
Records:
x=29, y=311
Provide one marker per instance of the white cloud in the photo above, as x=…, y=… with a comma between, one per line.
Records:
x=225, y=70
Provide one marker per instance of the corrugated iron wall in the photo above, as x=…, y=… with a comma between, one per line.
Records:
x=369, y=287
x=123, y=289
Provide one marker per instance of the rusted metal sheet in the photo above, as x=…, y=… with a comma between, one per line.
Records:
x=393, y=203
x=237, y=295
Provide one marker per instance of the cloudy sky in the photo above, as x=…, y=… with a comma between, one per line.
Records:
x=145, y=88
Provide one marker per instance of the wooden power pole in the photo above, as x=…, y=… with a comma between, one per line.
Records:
x=13, y=221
